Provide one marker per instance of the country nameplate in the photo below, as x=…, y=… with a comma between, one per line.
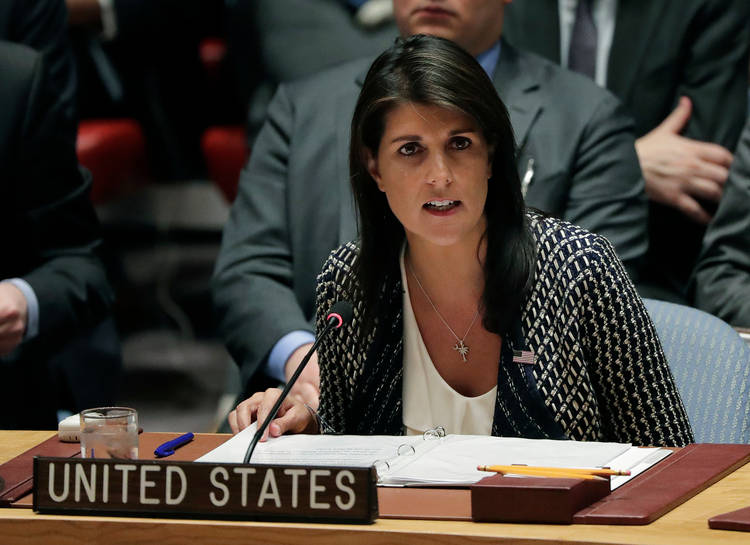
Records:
x=204, y=490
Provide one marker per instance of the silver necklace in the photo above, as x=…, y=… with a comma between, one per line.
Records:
x=461, y=347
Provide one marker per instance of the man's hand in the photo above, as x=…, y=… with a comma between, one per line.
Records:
x=13, y=312
x=678, y=170
x=307, y=387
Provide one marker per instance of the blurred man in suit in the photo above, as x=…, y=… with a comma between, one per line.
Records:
x=575, y=154
x=680, y=68
x=722, y=278
x=296, y=38
x=140, y=59
x=54, y=288
x=41, y=25
x=85, y=370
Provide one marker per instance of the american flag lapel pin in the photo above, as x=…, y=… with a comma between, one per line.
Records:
x=524, y=356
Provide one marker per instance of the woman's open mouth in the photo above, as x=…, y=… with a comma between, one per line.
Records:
x=440, y=206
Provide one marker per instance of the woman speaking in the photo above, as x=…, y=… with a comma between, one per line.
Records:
x=470, y=311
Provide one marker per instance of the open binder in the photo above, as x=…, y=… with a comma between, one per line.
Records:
x=433, y=459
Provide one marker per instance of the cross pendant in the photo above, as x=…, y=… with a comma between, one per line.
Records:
x=462, y=349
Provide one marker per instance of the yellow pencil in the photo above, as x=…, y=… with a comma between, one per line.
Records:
x=551, y=474
x=576, y=470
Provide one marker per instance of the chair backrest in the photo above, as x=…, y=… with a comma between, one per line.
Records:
x=711, y=366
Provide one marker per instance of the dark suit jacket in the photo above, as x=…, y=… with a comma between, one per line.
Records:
x=722, y=277
x=660, y=51
x=42, y=25
x=295, y=205
x=296, y=38
x=50, y=231
x=598, y=376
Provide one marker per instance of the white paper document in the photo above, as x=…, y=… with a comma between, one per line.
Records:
x=324, y=450
x=414, y=460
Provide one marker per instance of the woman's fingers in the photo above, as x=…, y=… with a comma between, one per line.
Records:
x=265, y=405
x=297, y=419
x=232, y=418
x=246, y=412
x=292, y=416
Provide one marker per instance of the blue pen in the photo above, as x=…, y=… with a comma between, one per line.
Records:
x=168, y=448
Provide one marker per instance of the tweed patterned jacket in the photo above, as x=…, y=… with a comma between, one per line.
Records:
x=600, y=373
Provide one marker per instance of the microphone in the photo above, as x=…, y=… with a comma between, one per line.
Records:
x=340, y=313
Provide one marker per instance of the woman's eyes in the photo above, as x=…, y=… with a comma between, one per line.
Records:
x=410, y=148
x=460, y=142
x=457, y=143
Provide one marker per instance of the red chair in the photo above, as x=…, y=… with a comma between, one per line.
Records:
x=114, y=150
x=224, y=147
x=225, y=152
x=212, y=52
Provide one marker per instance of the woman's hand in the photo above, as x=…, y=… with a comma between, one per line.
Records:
x=292, y=417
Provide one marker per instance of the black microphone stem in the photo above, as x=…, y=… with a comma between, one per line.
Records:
x=285, y=392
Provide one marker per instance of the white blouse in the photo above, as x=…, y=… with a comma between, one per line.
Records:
x=429, y=401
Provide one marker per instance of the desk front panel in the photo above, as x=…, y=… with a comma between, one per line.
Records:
x=687, y=524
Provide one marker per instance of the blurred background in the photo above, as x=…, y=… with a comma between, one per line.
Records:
x=170, y=96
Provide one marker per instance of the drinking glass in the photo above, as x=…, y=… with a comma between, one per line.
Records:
x=109, y=432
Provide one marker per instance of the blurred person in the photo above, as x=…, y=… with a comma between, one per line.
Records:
x=53, y=290
x=291, y=39
x=447, y=247
x=680, y=68
x=721, y=283
x=575, y=154
x=42, y=25
x=140, y=59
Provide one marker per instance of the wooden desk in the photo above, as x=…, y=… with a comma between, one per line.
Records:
x=687, y=524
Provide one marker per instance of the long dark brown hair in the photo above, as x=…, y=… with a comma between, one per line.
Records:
x=434, y=71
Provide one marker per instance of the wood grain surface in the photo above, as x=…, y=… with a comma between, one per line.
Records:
x=686, y=525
